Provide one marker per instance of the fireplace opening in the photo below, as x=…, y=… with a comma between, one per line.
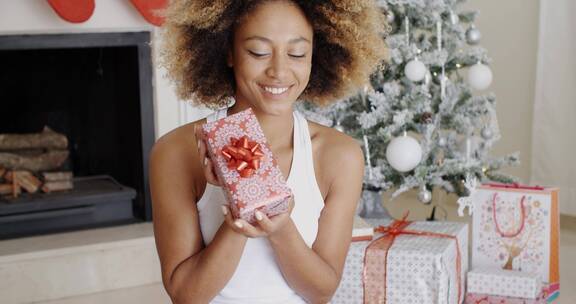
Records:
x=96, y=89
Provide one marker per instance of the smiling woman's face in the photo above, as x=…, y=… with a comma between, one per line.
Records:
x=272, y=57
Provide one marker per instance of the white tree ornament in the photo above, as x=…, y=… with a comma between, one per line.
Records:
x=480, y=76
x=404, y=153
x=415, y=70
x=470, y=183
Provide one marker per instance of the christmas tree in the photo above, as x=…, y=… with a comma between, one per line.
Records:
x=422, y=123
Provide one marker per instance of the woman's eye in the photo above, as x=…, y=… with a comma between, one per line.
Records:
x=255, y=54
x=297, y=56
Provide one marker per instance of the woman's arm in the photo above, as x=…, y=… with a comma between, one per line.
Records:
x=315, y=272
x=191, y=273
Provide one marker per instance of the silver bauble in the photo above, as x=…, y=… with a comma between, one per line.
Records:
x=473, y=35
x=390, y=17
x=486, y=133
x=425, y=196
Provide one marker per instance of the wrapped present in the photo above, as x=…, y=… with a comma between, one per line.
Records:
x=516, y=228
x=508, y=283
x=547, y=295
x=362, y=231
x=478, y=298
x=418, y=262
x=244, y=163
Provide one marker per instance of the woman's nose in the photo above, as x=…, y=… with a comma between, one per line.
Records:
x=277, y=68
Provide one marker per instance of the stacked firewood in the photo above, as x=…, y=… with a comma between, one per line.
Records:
x=30, y=162
x=14, y=182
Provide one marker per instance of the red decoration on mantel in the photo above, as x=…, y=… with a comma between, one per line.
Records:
x=75, y=11
x=148, y=8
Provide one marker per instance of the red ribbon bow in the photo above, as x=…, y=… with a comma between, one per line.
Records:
x=374, y=272
x=243, y=155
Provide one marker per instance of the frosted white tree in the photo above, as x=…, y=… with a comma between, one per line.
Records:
x=432, y=90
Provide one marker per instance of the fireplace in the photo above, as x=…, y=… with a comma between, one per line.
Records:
x=96, y=88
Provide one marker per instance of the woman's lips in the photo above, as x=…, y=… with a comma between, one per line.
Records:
x=275, y=92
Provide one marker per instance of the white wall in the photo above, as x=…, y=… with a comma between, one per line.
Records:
x=510, y=34
x=38, y=17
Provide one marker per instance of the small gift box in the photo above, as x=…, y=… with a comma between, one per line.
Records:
x=508, y=283
x=478, y=298
x=419, y=262
x=243, y=161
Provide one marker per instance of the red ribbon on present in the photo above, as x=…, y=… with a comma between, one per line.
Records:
x=374, y=277
x=243, y=155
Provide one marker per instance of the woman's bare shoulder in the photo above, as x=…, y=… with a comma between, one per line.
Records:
x=333, y=143
x=176, y=154
x=334, y=153
x=180, y=138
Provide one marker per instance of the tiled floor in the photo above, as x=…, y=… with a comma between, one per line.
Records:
x=155, y=294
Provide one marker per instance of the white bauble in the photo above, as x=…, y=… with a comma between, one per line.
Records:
x=415, y=70
x=479, y=76
x=442, y=142
x=404, y=153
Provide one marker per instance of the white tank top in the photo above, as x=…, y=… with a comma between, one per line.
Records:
x=258, y=278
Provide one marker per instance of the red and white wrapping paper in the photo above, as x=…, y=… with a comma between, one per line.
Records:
x=416, y=269
x=257, y=184
x=508, y=283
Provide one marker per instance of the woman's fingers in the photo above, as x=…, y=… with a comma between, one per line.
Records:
x=228, y=216
x=209, y=173
x=247, y=229
x=240, y=225
x=264, y=222
x=206, y=163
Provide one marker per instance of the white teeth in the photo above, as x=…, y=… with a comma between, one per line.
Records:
x=275, y=91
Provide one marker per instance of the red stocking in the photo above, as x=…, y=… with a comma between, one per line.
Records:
x=148, y=8
x=75, y=11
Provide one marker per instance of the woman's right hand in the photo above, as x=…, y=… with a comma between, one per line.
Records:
x=205, y=161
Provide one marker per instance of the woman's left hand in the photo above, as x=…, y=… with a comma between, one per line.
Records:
x=265, y=226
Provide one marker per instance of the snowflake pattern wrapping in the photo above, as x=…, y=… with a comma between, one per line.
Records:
x=420, y=269
x=266, y=190
x=507, y=283
x=516, y=228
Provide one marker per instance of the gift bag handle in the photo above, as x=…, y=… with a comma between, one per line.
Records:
x=523, y=218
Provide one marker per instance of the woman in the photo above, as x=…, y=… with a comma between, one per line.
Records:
x=266, y=55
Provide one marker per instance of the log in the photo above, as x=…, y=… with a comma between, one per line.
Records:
x=57, y=176
x=2, y=172
x=26, y=180
x=57, y=186
x=5, y=189
x=47, y=139
x=50, y=160
x=15, y=188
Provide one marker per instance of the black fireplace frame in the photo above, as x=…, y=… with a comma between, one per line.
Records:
x=141, y=40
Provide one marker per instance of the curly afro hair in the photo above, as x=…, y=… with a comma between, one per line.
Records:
x=348, y=47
